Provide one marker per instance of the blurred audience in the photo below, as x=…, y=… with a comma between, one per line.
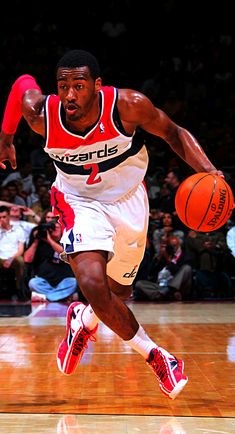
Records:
x=12, y=245
x=17, y=218
x=14, y=193
x=170, y=276
x=23, y=177
x=166, y=229
x=209, y=251
x=43, y=204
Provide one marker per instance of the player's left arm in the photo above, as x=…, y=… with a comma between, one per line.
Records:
x=138, y=108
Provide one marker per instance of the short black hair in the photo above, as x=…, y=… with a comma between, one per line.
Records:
x=177, y=172
x=4, y=208
x=78, y=58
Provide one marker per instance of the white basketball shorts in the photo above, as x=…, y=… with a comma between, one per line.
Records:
x=119, y=228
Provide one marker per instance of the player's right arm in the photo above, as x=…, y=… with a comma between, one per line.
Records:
x=25, y=99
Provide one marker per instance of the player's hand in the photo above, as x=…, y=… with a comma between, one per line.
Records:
x=7, y=150
x=217, y=172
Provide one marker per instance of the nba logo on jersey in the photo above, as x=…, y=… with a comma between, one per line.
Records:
x=101, y=127
x=78, y=238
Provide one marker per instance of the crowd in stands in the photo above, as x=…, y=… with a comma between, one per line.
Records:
x=179, y=264
x=192, y=80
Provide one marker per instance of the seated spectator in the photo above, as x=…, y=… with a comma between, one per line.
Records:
x=167, y=228
x=145, y=264
x=170, y=277
x=4, y=195
x=155, y=222
x=230, y=240
x=50, y=172
x=173, y=179
x=48, y=216
x=17, y=218
x=209, y=251
x=12, y=244
x=52, y=279
x=44, y=203
x=26, y=212
x=14, y=193
x=230, y=257
x=23, y=176
x=154, y=179
x=38, y=181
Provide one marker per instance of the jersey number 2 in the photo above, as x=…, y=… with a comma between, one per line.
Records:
x=93, y=178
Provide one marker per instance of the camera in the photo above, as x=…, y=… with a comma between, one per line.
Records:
x=43, y=228
x=170, y=250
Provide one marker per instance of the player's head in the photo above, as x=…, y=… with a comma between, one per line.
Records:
x=78, y=83
x=78, y=58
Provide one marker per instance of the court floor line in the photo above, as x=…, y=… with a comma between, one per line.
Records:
x=119, y=353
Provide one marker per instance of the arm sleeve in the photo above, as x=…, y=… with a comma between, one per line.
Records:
x=13, y=109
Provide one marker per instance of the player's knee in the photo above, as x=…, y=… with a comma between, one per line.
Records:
x=122, y=291
x=92, y=285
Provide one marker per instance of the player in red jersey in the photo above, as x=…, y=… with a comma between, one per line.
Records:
x=99, y=196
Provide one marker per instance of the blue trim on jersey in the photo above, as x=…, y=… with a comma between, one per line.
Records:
x=103, y=166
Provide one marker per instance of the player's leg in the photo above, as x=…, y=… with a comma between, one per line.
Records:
x=90, y=269
x=113, y=312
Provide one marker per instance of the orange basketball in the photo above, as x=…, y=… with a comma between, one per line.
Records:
x=204, y=202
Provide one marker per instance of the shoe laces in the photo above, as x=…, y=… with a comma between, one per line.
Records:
x=81, y=342
x=159, y=365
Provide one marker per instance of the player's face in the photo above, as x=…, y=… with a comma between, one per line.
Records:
x=77, y=91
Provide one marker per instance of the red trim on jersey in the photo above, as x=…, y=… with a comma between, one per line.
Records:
x=62, y=209
x=59, y=137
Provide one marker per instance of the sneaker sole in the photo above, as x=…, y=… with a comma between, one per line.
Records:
x=71, y=307
x=177, y=389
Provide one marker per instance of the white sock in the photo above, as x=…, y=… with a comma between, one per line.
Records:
x=89, y=318
x=141, y=343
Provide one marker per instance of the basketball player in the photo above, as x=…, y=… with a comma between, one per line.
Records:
x=100, y=197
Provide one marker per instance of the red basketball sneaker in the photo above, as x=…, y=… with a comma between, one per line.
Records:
x=72, y=347
x=168, y=370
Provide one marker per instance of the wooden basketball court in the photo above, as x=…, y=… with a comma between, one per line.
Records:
x=113, y=390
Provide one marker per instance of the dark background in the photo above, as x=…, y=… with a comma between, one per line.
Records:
x=186, y=48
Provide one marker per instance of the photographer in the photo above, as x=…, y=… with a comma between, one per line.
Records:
x=53, y=279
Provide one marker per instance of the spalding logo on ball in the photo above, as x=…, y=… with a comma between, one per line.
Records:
x=204, y=202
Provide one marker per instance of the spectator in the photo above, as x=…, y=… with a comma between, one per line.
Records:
x=209, y=251
x=12, y=243
x=50, y=173
x=52, y=279
x=14, y=193
x=170, y=276
x=168, y=228
x=22, y=176
x=230, y=257
x=38, y=181
x=17, y=219
x=230, y=240
x=5, y=196
x=172, y=180
x=44, y=203
x=26, y=212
